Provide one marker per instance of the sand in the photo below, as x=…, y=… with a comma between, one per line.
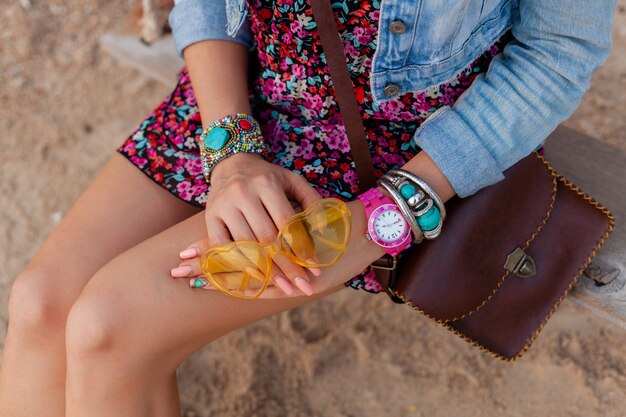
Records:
x=66, y=105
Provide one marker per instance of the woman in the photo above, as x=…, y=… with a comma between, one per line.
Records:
x=97, y=324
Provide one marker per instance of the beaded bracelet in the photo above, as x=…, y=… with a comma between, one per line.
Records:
x=227, y=136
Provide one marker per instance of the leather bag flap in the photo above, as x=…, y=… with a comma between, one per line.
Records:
x=494, y=222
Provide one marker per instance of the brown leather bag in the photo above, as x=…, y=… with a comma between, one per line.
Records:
x=507, y=255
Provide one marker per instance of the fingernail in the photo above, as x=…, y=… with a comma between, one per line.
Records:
x=188, y=253
x=181, y=271
x=199, y=283
x=304, y=286
x=315, y=271
x=284, y=285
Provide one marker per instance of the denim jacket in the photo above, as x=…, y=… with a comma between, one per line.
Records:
x=507, y=112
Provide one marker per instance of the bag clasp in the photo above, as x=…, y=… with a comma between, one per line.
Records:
x=520, y=263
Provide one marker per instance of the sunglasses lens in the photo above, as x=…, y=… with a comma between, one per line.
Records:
x=318, y=237
x=240, y=270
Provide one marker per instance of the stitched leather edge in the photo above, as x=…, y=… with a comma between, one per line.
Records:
x=598, y=245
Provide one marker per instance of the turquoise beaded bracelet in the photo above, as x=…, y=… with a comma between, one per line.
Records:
x=227, y=136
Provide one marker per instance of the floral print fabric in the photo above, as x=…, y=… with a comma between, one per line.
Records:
x=293, y=99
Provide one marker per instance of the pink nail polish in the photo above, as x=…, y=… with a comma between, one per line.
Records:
x=284, y=285
x=181, y=271
x=188, y=253
x=304, y=286
x=315, y=271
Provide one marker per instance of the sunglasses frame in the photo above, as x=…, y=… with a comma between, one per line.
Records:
x=278, y=246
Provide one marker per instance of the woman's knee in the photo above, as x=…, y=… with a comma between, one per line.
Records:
x=101, y=323
x=93, y=327
x=37, y=305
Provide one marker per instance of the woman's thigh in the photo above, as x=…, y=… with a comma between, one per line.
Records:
x=132, y=305
x=119, y=209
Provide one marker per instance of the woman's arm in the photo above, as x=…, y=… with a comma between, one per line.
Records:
x=527, y=91
x=218, y=72
x=199, y=20
x=360, y=251
x=531, y=87
x=250, y=198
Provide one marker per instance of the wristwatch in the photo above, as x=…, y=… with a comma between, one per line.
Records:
x=386, y=226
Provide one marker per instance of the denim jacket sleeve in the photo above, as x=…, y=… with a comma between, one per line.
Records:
x=198, y=20
x=532, y=86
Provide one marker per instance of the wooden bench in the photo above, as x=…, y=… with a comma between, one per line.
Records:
x=597, y=168
x=158, y=60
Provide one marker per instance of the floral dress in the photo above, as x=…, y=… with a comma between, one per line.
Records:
x=293, y=99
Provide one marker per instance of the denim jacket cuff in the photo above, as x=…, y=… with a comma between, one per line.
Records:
x=192, y=21
x=458, y=152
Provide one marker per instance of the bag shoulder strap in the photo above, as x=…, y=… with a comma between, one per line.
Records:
x=349, y=108
x=331, y=43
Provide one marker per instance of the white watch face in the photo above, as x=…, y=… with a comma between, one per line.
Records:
x=390, y=226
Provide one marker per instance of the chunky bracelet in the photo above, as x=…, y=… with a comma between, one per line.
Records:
x=227, y=136
x=404, y=208
x=425, y=204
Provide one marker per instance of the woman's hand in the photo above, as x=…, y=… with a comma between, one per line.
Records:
x=359, y=253
x=250, y=199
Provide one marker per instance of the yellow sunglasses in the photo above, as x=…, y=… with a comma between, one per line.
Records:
x=314, y=238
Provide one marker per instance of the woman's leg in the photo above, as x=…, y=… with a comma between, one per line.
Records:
x=121, y=208
x=134, y=324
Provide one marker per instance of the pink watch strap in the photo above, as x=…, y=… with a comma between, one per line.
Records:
x=373, y=198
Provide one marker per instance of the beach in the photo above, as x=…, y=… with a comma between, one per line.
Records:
x=66, y=106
